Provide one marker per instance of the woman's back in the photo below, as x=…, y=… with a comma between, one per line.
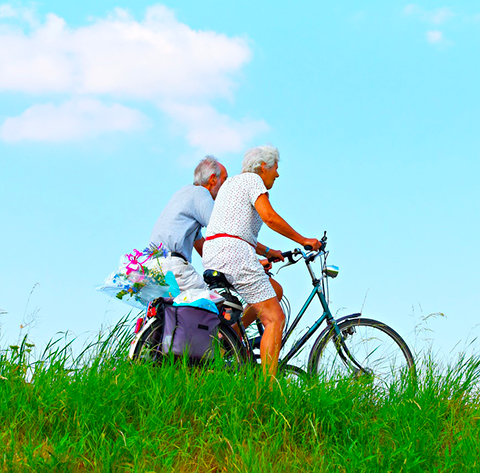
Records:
x=234, y=211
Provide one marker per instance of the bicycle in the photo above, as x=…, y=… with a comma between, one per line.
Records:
x=348, y=346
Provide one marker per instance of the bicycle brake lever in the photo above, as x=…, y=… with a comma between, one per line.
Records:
x=289, y=256
x=284, y=266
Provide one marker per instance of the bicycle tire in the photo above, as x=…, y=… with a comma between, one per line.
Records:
x=380, y=350
x=149, y=346
x=228, y=346
x=293, y=374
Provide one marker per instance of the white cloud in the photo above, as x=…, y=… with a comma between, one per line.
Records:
x=434, y=37
x=411, y=9
x=72, y=120
x=212, y=131
x=158, y=57
x=436, y=17
x=24, y=14
x=158, y=60
x=357, y=17
x=441, y=15
x=7, y=11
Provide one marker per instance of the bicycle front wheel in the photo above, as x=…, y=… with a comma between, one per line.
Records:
x=293, y=374
x=370, y=350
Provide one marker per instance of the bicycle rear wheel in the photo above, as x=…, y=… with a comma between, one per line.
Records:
x=148, y=347
x=225, y=346
x=382, y=354
x=228, y=347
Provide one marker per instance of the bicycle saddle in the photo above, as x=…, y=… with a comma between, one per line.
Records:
x=215, y=279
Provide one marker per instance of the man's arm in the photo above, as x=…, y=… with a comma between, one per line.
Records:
x=203, y=209
x=198, y=245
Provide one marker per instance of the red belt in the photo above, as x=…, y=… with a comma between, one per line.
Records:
x=221, y=235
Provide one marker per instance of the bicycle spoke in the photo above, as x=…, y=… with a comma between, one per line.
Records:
x=378, y=351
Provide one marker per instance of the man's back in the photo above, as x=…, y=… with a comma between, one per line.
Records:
x=179, y=225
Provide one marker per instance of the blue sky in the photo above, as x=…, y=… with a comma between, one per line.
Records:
x=105, y=108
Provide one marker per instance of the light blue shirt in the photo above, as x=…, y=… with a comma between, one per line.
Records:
x=181, y=221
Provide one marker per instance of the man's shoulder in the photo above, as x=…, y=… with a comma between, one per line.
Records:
x=193, y=198
x=191, y=192
x=192, y=189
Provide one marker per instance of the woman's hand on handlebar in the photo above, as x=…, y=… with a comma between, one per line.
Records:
x=267, y=265
x=312, y=244
x=275, y=256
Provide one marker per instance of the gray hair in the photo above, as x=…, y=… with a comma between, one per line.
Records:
x=206, y=167
x=254, y=157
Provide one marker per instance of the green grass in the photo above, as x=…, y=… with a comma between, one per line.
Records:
x=98, y=412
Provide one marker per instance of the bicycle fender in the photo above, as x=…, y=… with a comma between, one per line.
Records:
x=325, y=331
x=347, y=317
x=133, y=345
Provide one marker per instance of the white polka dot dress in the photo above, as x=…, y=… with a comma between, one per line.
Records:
x=234, y=214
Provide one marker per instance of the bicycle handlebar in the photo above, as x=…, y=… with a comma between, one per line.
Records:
x=289, y=254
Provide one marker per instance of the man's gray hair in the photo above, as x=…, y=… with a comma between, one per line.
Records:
x=254, y=157
x=206, y=167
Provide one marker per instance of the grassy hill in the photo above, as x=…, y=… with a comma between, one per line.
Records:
x=98, y=412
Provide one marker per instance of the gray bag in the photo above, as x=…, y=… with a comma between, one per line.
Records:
x=188, y=329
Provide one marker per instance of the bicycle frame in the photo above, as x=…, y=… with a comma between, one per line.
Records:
x=302, y=341
x=319, y=286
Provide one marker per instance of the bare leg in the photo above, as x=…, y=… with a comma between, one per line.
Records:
x=273, y=319
x=278, y=288
x=249, y=315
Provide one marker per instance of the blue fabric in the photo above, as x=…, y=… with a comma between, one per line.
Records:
x=174, y=290
x=182, y=219
x=205, y=304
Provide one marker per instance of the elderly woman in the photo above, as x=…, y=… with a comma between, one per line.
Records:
x=231, y=245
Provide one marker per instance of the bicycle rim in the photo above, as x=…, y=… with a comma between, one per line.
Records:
x=293, y=374
x=228, y=348
x=382, y=354
x=149, y=345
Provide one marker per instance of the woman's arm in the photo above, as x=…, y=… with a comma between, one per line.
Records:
x=278, y=224
x=264, y=250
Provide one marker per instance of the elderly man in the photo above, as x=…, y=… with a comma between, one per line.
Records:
x=179, y=226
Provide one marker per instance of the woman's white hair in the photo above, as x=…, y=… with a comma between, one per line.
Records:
x=254, y=157
x=206, y=167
